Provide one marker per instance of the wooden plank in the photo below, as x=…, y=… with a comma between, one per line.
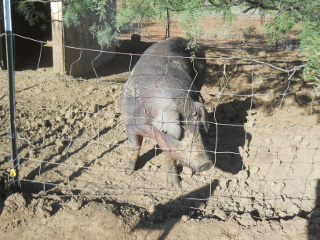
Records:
x=57, y=38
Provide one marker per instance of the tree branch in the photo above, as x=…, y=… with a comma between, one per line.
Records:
x=253, y=4
x=43, y=1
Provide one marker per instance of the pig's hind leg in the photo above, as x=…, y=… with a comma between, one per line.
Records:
x=135, y=142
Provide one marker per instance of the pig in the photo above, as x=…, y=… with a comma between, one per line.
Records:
x=161, y=100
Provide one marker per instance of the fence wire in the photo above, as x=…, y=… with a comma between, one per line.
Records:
x=264, y=139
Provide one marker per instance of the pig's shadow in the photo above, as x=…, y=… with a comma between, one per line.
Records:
x=146, y=157
x=314, y=219
x=228, y=135
x=225, y=138
x=165, y=216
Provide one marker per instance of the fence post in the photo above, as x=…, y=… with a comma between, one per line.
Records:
x=57, y=38
x=14, y=173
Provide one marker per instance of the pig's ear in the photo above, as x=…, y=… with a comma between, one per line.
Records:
x=168, y=122
x=203, y=115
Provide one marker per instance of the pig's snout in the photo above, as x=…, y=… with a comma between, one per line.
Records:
x=202, y=166
x=205, y=166
x=199, y=162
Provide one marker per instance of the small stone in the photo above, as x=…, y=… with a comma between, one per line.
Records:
x=184, y=218
x=152, y=209
x=154, y=168
x=74, y=205
x=246, y=220
x=254, y=170
x=298, y=139
x=187, y=171
x=31, y=154
x=220, y=214
x=268, y=141
x=69, y=115
x=243, y=174
x=223, y=183
x=94, y=108
x=59, y=143
x=282, y=214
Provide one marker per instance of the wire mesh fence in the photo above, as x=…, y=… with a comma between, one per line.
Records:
x=263, y=139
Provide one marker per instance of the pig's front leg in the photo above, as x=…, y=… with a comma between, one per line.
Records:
x=135, y=142
x=172, y=174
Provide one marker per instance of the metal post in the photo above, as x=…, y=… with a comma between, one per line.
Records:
x=168, y=24
x=10, y=68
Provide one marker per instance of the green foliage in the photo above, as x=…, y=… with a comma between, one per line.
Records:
x=224, y=8
x=190, y=13
x=190, y=21
x=31, y=13
x=73, y=10
x=283, y=16
x=278, y=26
x=310, y=48
x=131, y=12
x=102, y=30
x=106, y=36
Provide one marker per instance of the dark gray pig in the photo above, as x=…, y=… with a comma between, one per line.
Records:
x=161, y=100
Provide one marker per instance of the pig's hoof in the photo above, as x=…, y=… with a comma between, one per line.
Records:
x=174, y=181
x=128, y=168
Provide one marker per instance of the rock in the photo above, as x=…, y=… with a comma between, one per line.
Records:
x=31, y=154
x=292, y=208
x=243, y=175
x=246, y=220
x=69, y=115
x=94, y=108
x=184, y=218
x=152, y=209
x=254, y=170
x=220, y=214
x=14, y=202
x=297, y=139
x=187, y=171
x=74, y=205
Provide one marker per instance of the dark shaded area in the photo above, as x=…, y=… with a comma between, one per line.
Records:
x=128, y=54
x=146, y=157
x=271, y=88
x=27, y=52
x=185, y=205
x=314, y=220
x=230, y=137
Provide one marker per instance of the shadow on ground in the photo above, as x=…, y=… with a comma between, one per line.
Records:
x=187, y=204
x=314, y=220
x=228, y=135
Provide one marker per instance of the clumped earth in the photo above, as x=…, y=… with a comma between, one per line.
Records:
x=264, y=140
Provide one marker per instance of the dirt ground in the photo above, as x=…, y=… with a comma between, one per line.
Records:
x=264, y=141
